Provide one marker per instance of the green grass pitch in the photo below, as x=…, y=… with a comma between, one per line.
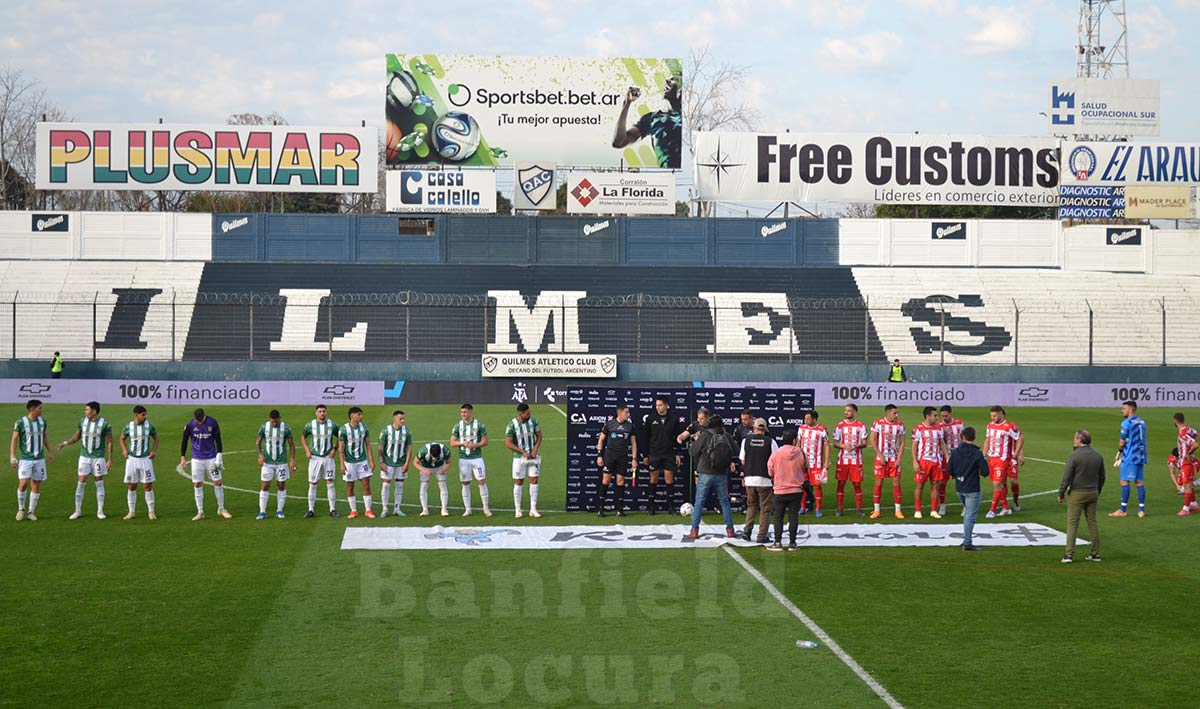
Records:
x=244, y=612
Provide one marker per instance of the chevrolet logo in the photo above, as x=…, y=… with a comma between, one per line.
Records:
x=35, y=388
x=1033, y=392
x=339, y=390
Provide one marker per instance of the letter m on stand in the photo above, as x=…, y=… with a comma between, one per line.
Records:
x=550, y=324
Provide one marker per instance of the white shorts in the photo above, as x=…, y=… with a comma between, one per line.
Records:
x=440, y=473
x=321, y=467
x=96, y=467
x=526, y=466
x=139, y=470
x=469, y=467
x=357, y=471
x=200, y=468
x=392, y=472
x=272, y=471
x=31, y=470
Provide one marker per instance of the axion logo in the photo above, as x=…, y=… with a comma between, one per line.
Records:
x=228, y=226
x=589, y=229
x=773, y=229
x=584, y=192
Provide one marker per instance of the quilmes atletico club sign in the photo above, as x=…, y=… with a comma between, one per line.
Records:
x=83, y=156
x=878, y=169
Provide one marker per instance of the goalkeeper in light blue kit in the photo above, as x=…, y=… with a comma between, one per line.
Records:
x=1131, y=457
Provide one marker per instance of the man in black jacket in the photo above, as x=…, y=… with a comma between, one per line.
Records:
x=660, y=434
x=712, y=451
x=966, y=466
x=1082, y=482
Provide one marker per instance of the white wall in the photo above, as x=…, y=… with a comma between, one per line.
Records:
x=1088, y=248
x=121, y=236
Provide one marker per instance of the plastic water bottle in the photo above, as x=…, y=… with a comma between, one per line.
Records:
x=807, y=645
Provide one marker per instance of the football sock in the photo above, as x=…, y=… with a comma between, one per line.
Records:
x=387, y=489
x=263, y=496
x=819, y=493
x=150, y=500
x=1141, y=497
x=219, y=491
x=280, y=499
x=517, y=497
x=1189, y=495
x=312, y=497
x=878, y=492
x=331, y=494
x=897, y=493
x=483, y=495
x=398, y=491
x=841, y=493
x=423, y=494
x=1124, y=497
x=533, y=495
x=942, y=495
x=1016, y=490
x=601, y=493
x=131, y=500
x=353, y=503
x=653, y=494
x=99, y=495
x=917, y=495
x=33, y=500
x=858, y=496
x=620, y=497
x=20, y=500
x=934, y=497
x=79, y=488
x=445, y=494
x=366, y=502
x=199, y=494
x=466, y=490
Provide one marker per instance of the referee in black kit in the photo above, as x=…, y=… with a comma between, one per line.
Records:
x=616, y=447
x=660, y=434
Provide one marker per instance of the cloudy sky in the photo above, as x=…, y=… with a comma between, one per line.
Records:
x=955, y=66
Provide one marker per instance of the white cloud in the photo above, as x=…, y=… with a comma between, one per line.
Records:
x=601, y=44
x=940, y=7
x=268, y=20
x=865, y=51
x=1150, y=30
x=11, y=43
x=1003, y=29
x=837, y=14
x=1189, y=5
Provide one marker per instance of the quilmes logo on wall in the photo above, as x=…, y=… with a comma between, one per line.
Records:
x=948, y=230
x=769, y=229
x=1120, y=236
x=49, y=222
x=229, y=225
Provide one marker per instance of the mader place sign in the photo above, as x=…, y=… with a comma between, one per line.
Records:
x=881, y=169
x=82, y=156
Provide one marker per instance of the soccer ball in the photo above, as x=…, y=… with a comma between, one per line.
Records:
x=685, y=510
x=456, y=135
x=402, y=89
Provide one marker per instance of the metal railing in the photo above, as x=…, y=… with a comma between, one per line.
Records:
x=149, y=324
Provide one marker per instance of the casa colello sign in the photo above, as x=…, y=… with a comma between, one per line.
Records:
x=441, y=191
x=494, y=110
x=534, y=365
x=83, y=156
x=621, y=193
x=1122, y=164
x=877, y=169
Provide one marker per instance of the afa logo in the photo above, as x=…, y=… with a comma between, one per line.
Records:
x=470, y=537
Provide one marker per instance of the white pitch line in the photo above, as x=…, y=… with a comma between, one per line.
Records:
x=817, y=631
x=564, y=413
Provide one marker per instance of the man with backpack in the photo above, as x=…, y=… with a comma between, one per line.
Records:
x=712, y=451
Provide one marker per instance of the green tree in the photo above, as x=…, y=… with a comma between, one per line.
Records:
x=948, y=211
x=504, y=205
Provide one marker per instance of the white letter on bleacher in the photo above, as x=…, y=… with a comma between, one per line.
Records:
x=754, y=332
x=299, y=332
x=531, y=323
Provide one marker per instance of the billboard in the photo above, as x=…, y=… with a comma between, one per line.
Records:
x=534, y=186
x=621, y=193
x=1122, y=164
x=1091, y=202
x=898, y=168
x=1085, y=106
x=441, y=191
x=111, y=156
x=492, y=110
x=1165, y=202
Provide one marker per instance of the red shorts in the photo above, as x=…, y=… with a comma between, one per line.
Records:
x=818, y=476
x=1187, y=473
x=887, y=468
x=849, y=471
x=927, y=469
x=941, y=474
x=1001, y=470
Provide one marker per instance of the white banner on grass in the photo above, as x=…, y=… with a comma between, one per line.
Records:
x=663, y=536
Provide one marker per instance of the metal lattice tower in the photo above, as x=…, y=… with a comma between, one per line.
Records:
x=1103, y=49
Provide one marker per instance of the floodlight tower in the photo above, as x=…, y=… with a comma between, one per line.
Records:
x=1103, y=49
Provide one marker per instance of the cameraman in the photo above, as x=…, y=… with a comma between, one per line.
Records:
x=712, y=451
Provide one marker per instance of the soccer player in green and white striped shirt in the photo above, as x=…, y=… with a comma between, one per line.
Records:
x=433, y=460
x=524, y=438
x=30, y=432
x=395, y=455
x=276, y=457
x=95, y=455
x=323, y=433
x=139, y=445
x=469, y=436
x=358, y=461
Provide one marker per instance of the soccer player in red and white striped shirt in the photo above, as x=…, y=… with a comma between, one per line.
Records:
x=929, y=454
x=1004, y=451
x=813, y=439
x=850, y=438
x=887, y=440
x=952, y=428
x=1188, y=444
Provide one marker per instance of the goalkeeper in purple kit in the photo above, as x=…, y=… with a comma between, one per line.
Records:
x=204, y=434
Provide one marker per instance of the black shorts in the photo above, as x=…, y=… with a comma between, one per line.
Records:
x=617, y=464
x=662, y=462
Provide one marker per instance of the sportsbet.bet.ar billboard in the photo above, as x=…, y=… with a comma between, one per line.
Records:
x=492, y=110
